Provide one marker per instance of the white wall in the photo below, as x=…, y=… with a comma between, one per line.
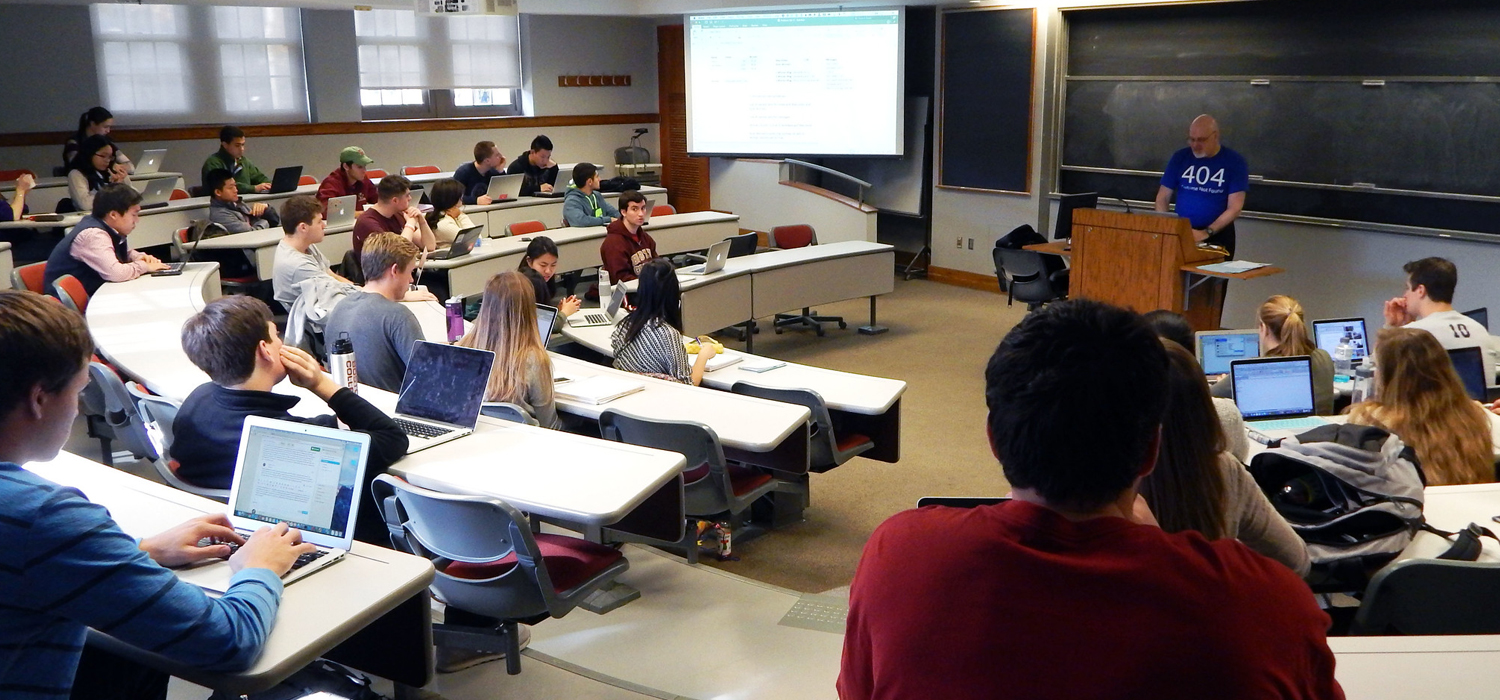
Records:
x=752, y=190
x=573, y=45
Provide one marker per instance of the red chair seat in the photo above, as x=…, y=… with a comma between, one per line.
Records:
x=570, y=562
x=742, y=479
x=851, y=441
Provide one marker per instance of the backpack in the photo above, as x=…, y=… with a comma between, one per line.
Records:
x=1353, y=493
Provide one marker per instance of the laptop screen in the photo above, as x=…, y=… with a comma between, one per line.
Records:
x=1480, y=315
x=1065, y=207
x=545, y=317
x=1273, y=387
x=1217, y=349
x=445, y=383
x=1469, y=363
x=305, y=476
x=1327, y=335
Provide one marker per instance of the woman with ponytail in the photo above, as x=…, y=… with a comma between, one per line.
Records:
x=1284, y=333
x=96, y=122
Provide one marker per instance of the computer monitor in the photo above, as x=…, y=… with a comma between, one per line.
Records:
x=1065, y=206
x=1469, y=363
x=1216, y=349
x=1273, y=387
x=1327, y=334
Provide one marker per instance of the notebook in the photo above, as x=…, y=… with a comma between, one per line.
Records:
x=441, y=393
x=285, y=179
x=462, y=244
x=717, y=254
x=1275, y=395
x=598, y=389
x=157, y=193
x=505, y=187
x=341, y=211
x=719, y=361
x=1216, y=349
x=600, y=317
x=307, y=476
x=1328, y=332
x=1469, y=363
x=151, y=161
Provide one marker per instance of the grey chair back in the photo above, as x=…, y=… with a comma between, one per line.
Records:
x=1025, y=276
x=1431, y=596
x=119, y=411
x=696, y=442
x=504, y=410
x=743, y=244
x=160, y=412
x=822, y=445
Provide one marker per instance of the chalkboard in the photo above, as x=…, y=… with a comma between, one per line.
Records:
x=1401, y=98
x=985, y=114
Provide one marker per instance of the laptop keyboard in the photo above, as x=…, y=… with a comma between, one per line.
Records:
x=694, y=270
x=596, y=319
x=422, y=430
x=1288, y=424
x=302, y=560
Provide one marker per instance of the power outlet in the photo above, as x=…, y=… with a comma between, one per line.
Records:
x=971, y=244
x=959, y=244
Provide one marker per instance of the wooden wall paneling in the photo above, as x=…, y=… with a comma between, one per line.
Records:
x=685, y=178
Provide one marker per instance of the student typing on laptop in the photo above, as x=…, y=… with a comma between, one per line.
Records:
x=93, y=168
x=234, y=340
x=95, y=250
x=67, y=566
x=1284, y=333
x=537, y=165
x=1427, y=304
x=381, y=329
x=507, y=326
x=584, y=205
x=231, y=157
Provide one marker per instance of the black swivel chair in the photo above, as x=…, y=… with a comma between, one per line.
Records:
x=1023, y=277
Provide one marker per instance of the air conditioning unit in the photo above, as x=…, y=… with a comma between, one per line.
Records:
x=466, y=7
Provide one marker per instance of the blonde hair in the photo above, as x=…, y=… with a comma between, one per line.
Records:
x=1283, y=317
x=382, y=250
x=507, y=326
x=1421, y=399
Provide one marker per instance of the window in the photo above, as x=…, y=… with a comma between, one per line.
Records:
x=259, y=59
x=143, y=56
x=420, y=66
x=390, y=58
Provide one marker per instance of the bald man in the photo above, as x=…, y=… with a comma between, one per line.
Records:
x=1210, y=181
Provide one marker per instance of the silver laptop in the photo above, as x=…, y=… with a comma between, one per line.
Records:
x=462, y=244
x=441, y=393
x=650, y=204
x=1216, y=349
x=1328, y=332
x=1275, y=395
x=559, y=184
x=308, y=476
x=505, y=187
x=546, y=319
x=158, y=192
x=717, y=254
x=600, y=317
x=151, y=161
x=341, y=211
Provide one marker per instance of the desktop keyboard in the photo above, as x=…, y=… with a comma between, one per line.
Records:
x=422, y=430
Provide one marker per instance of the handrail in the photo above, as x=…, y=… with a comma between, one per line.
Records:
x=830, y=171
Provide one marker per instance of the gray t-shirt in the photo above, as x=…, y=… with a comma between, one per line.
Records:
x=292, y=267
x=382, y=332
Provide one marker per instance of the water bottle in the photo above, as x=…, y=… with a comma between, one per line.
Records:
x=1364, y=385
x=605, y=289
x=454, y=308
x=342, y=361
x=1343, y=360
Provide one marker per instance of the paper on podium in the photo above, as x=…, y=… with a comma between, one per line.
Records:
x=1233, y=266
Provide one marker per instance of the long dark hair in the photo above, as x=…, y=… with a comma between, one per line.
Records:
x=83, y=160
x=539, y=246
x=95, y=115
x=444, y=194
x=657, y=296
x=1186, y=490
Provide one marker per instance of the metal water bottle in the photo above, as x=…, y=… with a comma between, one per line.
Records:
x=1364, y=385
x=341, y=360
x=455, y=311
x=605, y=289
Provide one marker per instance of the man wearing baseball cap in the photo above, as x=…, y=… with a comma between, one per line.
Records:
x=349, y=179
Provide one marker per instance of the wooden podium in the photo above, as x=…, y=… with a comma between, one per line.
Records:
x=1137, y=261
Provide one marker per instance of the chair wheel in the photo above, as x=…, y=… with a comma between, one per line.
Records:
x=820, y=331
x=778, y=331
x=843, y=325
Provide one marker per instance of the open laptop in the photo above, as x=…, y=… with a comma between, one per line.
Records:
x=650, y=204
x=1469, y=363
x=1275, y=395
x=151, y=161
x=341, y=211
x=158, y=192
x=505, y=187
x=308, y=476
x=462, y=244
x=1480, y=316
x=559, y=185
x=546, y=319
x=717, y=254
x=1328, y=332
x=600, y=317
x=1216, y=349
x=285, y=179
x=441, y=393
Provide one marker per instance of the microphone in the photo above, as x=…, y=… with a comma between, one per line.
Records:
x=1127, y=204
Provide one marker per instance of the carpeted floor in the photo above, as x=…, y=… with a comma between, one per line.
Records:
x=940, y=338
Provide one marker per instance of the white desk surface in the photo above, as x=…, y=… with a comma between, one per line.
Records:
x=541, y=201
x=316, y=614
x=843, y=391
x=68, y=221
x=51, y=181
x=261, y=244
x=1452, y=508
x=743, y=422
x=661, y=228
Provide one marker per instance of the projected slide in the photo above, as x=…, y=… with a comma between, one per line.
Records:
x=795, y=83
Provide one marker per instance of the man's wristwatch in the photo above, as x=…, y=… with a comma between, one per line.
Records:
x=1209, y=230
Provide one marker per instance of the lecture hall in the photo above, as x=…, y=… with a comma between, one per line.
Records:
x=749, y=348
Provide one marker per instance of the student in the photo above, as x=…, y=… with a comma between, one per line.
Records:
x=1069, y=589
x=650, y=340
x=583, y=205
x=381, y=329
x=1284, y=333
x=1420, y=398
x=394, y=213
x=15, y=207
x=95, y=122
x=1174, y=327
x=234, y=340
x=67, y=566
x=447, y=217
x=626, y=245
x=507, y=326
x=93, y=168
x=475, y=175
x=231, y=157
x=297, y=255
x=536, y=164
x=1427, y=304
x=349, y=179
x=226, y=209
x=540, y=266
x=1197, y=485
x=95, y=250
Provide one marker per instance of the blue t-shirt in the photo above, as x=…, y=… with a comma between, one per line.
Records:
x=1203, y=185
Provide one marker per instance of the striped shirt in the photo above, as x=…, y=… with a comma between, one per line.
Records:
x=66, y=566
x=657, y=349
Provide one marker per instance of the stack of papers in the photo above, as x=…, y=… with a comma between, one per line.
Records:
x=1232, y=266
x=719, y=361
x=597, y=389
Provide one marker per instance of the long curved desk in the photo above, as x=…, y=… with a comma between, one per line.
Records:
x=260, y=246
x=548, y=210
x=51, y=190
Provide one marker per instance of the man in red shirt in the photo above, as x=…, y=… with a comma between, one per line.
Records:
x=349, y=179
x=1069, y=589
x=626, y=245
x=394, y=213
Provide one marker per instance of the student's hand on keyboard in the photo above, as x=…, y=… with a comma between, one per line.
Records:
x=196, y=540
x=276, y=548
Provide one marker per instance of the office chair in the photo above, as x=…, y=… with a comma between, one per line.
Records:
x=505, y=410
x=420, y=170
x=1431, y=596
x=71, y=293
x=30, y=277
x=798, y=236
x=1024, y=277
x=711, y=486
x=306, y=180
x=663, y=210
x=375, y=176
x=826, y=450
x=182, y=243
x=110, y=416
x=523, y=228
x=490, y=563
x=159, y=412
x=13, y=175
x=178, y=194
x=349, y=267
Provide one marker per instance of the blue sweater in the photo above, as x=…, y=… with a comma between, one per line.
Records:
x=66, y=566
